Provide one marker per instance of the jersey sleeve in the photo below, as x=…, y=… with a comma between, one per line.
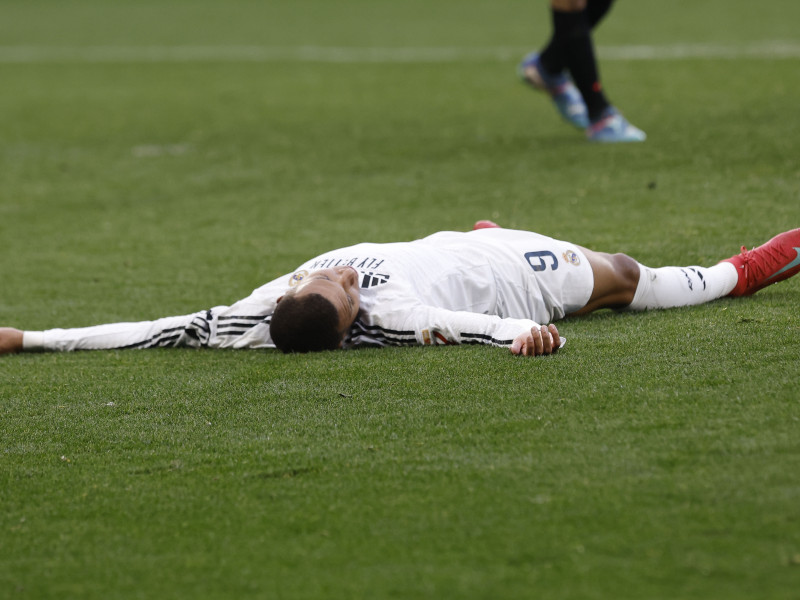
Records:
x=244, y=324
x=188, y=330
x=431, y=326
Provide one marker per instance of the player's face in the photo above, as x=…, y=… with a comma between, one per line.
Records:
x=339, y=285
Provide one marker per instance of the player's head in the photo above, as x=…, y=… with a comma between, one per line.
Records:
x=316, y=314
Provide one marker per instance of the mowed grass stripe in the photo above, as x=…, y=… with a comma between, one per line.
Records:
x=769, y=49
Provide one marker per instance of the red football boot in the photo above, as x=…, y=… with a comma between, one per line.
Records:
x=485, y=225
x=770, y=263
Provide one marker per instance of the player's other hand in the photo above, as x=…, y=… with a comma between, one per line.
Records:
x=537, y=341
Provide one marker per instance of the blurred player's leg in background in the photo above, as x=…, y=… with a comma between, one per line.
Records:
x=566, y=68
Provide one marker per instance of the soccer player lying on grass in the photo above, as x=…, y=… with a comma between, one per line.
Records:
x=488, y=286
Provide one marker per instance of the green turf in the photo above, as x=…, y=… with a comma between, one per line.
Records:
x=657, y=456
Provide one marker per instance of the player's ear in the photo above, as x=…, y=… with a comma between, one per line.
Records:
x=279, y=299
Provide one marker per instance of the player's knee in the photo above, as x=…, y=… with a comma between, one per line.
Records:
x=616, y=277
x=627, y=274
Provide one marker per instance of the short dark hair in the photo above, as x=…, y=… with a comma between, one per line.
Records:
x=308, y=323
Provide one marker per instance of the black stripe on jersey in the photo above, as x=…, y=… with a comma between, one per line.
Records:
x=402, y=342
x=234, y=325
x=388, y=339
x=482, y=338
x=244, y=318
x=376, y=340
x=163, y=338
x=199, y=330
x=380, y=335
x=408, y=338
x=377, y=328
x=201, y=323
x=168, y=341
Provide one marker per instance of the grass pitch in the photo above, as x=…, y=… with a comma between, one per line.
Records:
x=158, y=158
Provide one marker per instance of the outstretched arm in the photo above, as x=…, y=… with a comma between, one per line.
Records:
x=214, y=328
x=426, y=325
x=244, y=324
x=10, y=340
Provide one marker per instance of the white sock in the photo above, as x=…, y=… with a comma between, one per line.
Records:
x=667, y=287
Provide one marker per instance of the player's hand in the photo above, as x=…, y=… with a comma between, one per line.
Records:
x=539, y=340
